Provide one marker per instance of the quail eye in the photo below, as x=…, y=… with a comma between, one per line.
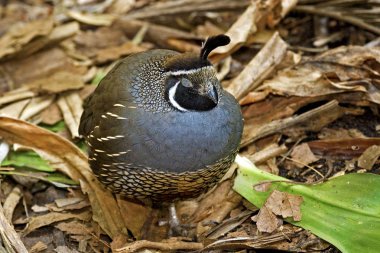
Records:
x=186, y=83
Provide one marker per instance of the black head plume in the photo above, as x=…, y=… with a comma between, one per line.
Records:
x=213, y=42
x=190, y=61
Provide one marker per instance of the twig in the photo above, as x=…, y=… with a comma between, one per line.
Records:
x=165, y=245
x=304, y=164
x=337, y=15
x=282, y=124
x=9, y=236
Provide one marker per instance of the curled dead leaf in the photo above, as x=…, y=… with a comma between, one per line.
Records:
x=266, y=220
x=302, y=155
x=70, y=160
x=285, y=204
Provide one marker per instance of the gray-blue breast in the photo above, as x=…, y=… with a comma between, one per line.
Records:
x=160, y=126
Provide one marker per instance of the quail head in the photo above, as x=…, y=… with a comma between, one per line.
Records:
x=160, y=126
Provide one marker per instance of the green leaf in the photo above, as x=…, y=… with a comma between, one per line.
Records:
x=344, y=211
x=56, y=179
x=57, y=127
x=98, y=77
x=28, y=159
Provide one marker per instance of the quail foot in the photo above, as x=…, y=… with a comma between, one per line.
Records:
x=159, y=126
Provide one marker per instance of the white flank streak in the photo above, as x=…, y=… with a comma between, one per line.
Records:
x=187, y=72
x=174, y=103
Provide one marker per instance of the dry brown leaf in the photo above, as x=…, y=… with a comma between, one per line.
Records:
x=51, y=115
x=35, y=106
x=58, y=34
x=351, y=55
x=114, y=53
x=329, y=74
x=39, y=209
x=92, y=19
x=70, y=160
x=15, y=109
x=89, y=41
x=224, y=69
x=164, y=8
x=38, y=247
x=183, y=46
x=26, y=109
x=157, y=34
x=41, y=65
x=369, y=157
x=74, y=227
x=67, y=201
x=16, y=95
x=80, y=205
x=65, y=249
x=263, y=186
x=49, y=218
x=303, y=155
x=58, y=82
x=259, y=67
x=266, y=220
x=253, y=97
x=256, y=17
x=121, y=6
x=70, y=105
x=285, y=204
x=21, y=34
x=238, y=33
x=135, y=215
x=215, y=206
x=11, y=202
x=208, y=29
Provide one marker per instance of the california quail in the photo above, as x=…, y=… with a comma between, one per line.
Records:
x=160, y=126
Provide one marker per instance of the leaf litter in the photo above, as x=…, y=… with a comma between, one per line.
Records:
x=299, y=79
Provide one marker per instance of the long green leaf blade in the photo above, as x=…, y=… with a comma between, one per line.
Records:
x=344, y=211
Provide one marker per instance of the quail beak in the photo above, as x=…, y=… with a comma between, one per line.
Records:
x=211, y=94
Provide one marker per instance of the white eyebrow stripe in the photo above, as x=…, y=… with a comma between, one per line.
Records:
x=186, y=72
x=174, y=103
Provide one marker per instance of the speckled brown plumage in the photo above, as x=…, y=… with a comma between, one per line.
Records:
x=142, y=146
x=143, y=183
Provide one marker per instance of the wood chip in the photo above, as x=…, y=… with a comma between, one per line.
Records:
x=369, y=157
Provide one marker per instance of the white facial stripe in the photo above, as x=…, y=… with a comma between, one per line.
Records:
x=174, y=103
x=186, y=72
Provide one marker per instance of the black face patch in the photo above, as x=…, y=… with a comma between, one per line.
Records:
x=190, y=99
